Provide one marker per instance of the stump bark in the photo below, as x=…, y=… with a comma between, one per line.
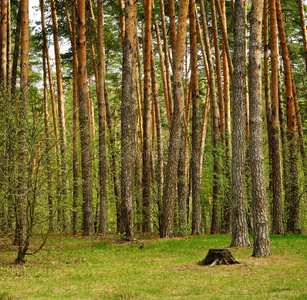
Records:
x=218, y=257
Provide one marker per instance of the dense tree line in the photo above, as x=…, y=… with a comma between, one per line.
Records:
x=176, y=118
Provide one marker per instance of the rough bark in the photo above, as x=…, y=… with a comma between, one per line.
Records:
x=259, y=198
x=86, y=162
x=128, y=148
x=196, y=212
x=240, y=235
x=169, y=192
x=277, y=227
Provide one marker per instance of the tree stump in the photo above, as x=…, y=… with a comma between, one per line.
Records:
x=218, y=257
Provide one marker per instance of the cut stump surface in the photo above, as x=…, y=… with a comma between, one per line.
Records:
x=218, y=257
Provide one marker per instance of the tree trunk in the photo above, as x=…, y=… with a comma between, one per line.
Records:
x=86, y=162
x=226, y=207
x=62, y=127
x=47, y=143
x=146, y=178
x=259, y=198
x=159, y=172
x=196, y=213
x=222, y=12
x=72, y=30
x=163, y=73
x=128, y=149
x=169, y=193
x=292, y=198
x=274, y=142
x=218, y=70
x=22, y=199
x=240, y=235
x=4, y=49
x=102, y=229
x=167, y=64
x=215, y=130
x=304, y=31
x=16, y=50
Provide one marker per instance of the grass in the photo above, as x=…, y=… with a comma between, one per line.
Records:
x=152, y=268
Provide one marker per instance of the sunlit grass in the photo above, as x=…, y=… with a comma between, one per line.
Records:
x=152, y=268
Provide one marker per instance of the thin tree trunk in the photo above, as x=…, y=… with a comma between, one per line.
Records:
x=62, y=127
x=304, y=30
x=102, y=229
x=240, y=235
x=159, y=172
x=86, y=163
x=222, y=13
x=292, y=198
x=196, y=211
x=299, y=128
x=128, y=149
x=167, y=63
x=182, y=191
x=21, y=209
x=218, y=69
x=275, y=151
x=163, y=73
x=47, y=143
x=8, y=53
x=146, y=178
x=72, y=31
x=259, y=198
x=4, y=49
x=226, y=212
x=169, y=193
x=16, y=50
x=215, y=130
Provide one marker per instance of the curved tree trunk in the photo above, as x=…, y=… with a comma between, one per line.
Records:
x=240, y=235
x=259, y=198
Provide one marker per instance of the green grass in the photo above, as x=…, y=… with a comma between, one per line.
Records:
x=106, y=268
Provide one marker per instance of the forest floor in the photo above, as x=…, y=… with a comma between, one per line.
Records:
x=152, y=268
